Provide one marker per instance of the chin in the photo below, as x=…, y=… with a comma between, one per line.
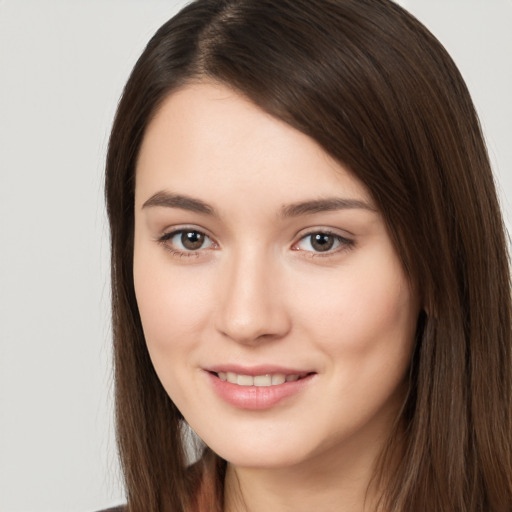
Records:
x=263, y=458
x=272, y=452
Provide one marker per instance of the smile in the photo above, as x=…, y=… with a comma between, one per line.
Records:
x=258, y=389
x=265, y=380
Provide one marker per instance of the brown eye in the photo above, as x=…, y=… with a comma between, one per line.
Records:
x=322, y=242
x=186, y=241
x=192, y=240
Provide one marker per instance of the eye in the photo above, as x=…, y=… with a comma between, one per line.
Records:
x=186, y=240
x=323, y=242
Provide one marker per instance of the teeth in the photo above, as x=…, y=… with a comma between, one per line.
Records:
x=245, y=380
x=257, y=380
x=263, y=380
x=278, y=379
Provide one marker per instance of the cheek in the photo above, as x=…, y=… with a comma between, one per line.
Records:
x=172, y=305
x=365, y=324
x=369, y=309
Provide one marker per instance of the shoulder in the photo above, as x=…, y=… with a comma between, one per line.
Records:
x=119, y=508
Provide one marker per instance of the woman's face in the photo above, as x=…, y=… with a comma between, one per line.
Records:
x=275, y=310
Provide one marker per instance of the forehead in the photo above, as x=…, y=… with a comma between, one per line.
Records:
x=209, y=139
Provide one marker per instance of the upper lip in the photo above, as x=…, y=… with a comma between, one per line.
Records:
x=256, y=370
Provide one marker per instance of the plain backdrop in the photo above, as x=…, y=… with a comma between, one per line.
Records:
x=63, y=64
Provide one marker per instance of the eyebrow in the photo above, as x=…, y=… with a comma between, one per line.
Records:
x=168, y=200
x=325, y=205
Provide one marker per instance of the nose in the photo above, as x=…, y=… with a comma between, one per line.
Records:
x=252, y=301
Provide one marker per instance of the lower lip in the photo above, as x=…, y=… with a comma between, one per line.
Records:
x=257, y=398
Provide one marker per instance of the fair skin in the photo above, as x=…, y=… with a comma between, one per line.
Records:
x=275, y=310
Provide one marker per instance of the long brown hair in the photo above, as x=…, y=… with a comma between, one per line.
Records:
x=380, y=94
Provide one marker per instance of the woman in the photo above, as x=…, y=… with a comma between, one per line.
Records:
x=309, y=268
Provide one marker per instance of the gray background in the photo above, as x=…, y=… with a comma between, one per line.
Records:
x=63, y=64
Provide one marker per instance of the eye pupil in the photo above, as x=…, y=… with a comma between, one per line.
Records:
x=192, y=240
x=322, y=242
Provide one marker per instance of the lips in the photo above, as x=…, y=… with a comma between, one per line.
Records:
x=257, y=388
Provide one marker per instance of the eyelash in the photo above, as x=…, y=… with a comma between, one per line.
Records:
x=343, y=244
